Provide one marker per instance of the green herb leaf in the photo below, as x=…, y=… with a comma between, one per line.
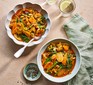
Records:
x=24, y=38
x=54, y=64
x=42, y=18
x=69, y=64
x=40, y=26
x=20, y=19
x=47, y=60
x=52, y=49
x=61, y=67
x=48, y=73
x=17, y=20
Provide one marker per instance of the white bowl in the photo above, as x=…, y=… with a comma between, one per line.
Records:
x=67, y=77
x=27, y=5
x=27, y=67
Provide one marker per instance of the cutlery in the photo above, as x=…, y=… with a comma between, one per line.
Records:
x=20, y=51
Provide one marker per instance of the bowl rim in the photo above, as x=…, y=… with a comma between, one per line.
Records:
x=44, y=74
x=36, y=78
x=35, y=42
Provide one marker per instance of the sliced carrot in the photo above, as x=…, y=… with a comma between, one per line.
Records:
x=48, y=65
x=54, y=56
x=66, y=47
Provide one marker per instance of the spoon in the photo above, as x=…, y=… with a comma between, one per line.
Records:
x=20, y=51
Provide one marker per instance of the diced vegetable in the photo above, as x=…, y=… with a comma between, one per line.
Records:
x=61, y=73
x=47, y=60
x=57, y=59
x=20, y=19
x=29, y=22
x=48, y=65
x=66, y=47
x=17, y=37
x=54, y=64
x=59, y=47
x=52, y=49
x=69, y=64
x=64, y=59
x=17, y=20
x=54, y=56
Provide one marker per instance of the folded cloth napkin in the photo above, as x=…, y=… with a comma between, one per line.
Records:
x=80, y=33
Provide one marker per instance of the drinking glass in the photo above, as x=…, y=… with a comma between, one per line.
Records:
x=67, y=7
x=51, y=2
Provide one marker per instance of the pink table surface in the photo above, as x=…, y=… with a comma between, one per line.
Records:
x=10, y=67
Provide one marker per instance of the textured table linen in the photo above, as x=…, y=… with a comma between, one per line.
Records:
x=81, y=34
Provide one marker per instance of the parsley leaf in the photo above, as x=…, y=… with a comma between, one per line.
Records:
x=24, y=38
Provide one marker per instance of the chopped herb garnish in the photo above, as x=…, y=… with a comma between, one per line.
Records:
x=52, y=49
x=17, y=20
x=54, y=64
x=32, y=72
x=24, y=38
x=42, y=18
x=69, y=64
x=20, y=19
x=47, y=60
x=40, y=26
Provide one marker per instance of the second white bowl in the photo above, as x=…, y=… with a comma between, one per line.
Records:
x=67, y=77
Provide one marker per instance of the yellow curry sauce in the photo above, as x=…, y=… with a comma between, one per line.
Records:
x=58, y=59
x=27, y=23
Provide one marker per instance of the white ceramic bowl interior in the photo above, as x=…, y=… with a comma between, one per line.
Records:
x=35, y=7
x=25, y=70
x=67, y=77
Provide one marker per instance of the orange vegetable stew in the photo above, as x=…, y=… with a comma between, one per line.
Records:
x=58, y=59
x=27, y=23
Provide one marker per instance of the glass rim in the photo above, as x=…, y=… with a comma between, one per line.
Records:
x=70, y=11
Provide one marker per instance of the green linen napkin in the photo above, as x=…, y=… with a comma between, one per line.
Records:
x=81, y=34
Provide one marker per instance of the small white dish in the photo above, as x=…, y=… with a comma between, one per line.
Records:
x=35, y=7
x=31, y=72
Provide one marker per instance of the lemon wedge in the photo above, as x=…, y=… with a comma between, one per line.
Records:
x=64, y=4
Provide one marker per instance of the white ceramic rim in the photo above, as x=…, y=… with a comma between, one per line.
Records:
x=34, y=79
x=24, y=5
x=59, y=79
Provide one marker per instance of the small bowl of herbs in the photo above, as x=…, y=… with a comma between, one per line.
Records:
x=31, y=72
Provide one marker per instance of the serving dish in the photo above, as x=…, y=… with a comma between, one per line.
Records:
x=34, y=7
x=73, y=72
x=31, y=72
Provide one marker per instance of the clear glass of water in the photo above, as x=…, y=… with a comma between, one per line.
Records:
x=51, y=2
x=67, y=7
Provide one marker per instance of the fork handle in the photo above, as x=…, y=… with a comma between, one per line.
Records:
x=19, y=52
